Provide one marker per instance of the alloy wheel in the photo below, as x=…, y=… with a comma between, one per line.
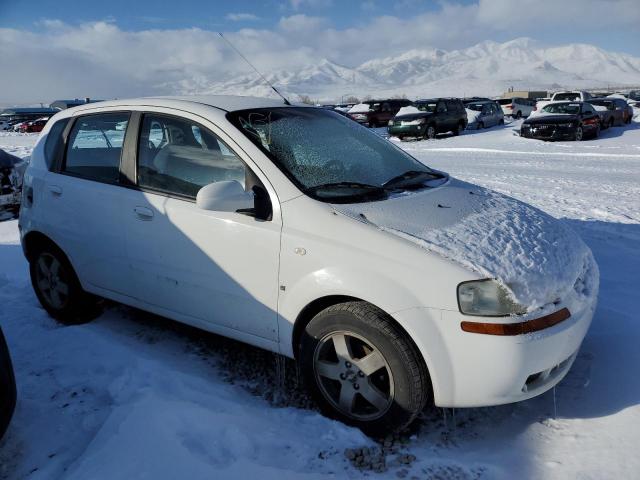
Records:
x=431, y=132
x=52, y=281
x=579, y=134
x=353, y=376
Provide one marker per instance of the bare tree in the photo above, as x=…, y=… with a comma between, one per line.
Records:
x=306, y=99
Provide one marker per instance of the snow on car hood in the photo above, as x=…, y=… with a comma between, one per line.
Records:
x=537, y=257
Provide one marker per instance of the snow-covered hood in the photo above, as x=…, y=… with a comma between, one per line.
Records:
x=536, y=256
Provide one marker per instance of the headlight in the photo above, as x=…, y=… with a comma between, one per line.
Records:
x=487, y=298
x=417, y=121
x=390, y=123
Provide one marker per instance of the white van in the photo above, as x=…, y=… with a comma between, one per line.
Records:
x=517, y=107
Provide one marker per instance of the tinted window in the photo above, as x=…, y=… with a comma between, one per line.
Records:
x=54, y=141
x=178, y=156
x=95, y=146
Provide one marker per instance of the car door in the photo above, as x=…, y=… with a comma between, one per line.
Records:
x=84, y=192
x=216, y=268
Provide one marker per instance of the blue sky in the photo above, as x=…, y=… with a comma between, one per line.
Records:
x=119, y=48
x=137, y=15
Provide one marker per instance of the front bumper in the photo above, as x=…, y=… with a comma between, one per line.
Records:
x=476, y=370
x=406, y=130
x=548, y=132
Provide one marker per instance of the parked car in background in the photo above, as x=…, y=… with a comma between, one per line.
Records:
x=624, y=107
x=484, y=114
x=11, y=175
x=563, y=121
x=612, y=112
x=565, y=96
x=5, y=125
x=291, y=229
x=517, y=107
x=34, y=126
x=17, y=127
x=379, y=112
x=7, y=386
x=426, y=118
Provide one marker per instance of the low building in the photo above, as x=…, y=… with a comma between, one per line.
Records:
x=64, y=104
x=531, y=94
x=26, y=113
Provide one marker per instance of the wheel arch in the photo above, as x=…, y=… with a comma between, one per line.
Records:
x=322, y=303
x=34, y=241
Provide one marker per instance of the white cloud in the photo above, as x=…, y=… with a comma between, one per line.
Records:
x=241, y=17
x=99, y=59
x=297, y=4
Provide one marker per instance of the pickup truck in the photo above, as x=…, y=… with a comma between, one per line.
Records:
x=565, y=96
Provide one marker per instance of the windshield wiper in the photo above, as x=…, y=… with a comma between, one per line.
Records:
x=347, y=192
x=410, y=179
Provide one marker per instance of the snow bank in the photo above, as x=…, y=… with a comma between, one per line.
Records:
x=360, y=108
x=532, y=253
x=408, y=110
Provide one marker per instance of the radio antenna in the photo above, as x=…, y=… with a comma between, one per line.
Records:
x=286, y=102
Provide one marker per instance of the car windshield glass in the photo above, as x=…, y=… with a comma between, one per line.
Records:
x=426, y=106
x=328, y=156
x=566, y=96
x=475, y=106
x=562, y=108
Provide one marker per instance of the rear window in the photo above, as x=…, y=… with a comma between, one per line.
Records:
x=95, y=146
x=505, y=101
x=566, y=96
x=53, y=142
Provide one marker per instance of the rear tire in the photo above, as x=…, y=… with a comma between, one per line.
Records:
x=362, y=369
x=579, y=135
x=518, y=115
x=58, y=289
x=459, y=129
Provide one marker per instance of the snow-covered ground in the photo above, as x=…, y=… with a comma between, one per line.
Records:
x=135, y=396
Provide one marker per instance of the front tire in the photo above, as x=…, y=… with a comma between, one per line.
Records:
x=362, y=369
x=518, y=115
x=430, y=132
x=58, y=289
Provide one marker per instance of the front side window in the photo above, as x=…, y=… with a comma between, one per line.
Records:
x=95, y=146
x=179, y=156
x=328, y=157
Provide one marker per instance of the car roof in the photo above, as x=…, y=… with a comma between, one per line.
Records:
x=227, y=103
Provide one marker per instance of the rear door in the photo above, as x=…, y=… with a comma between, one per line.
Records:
x=216, y=268
x=84, y=192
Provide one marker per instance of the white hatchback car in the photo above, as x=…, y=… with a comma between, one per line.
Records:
x=297, y=230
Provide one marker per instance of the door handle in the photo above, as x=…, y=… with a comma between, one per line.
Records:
x=55, y=189
x=143, y=213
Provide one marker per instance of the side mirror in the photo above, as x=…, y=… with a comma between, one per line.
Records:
x=225, y=196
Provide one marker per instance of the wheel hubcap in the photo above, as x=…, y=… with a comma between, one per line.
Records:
x=51, y=280
x=353, y=376
x=431, y=132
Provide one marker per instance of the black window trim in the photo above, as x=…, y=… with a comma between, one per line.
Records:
x=61, y=161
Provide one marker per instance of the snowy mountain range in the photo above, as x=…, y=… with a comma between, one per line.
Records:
x=488, y=68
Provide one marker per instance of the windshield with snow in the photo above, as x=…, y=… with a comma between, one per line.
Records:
x=562, y=108
x=329, y=157
x=475, y=106
x=426, y=106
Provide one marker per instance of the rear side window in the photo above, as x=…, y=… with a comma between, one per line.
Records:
x=95, y=146
x=53, y=143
